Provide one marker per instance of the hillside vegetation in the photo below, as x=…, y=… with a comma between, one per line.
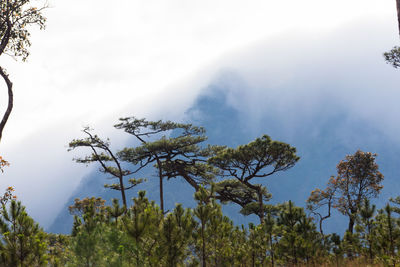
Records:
x=141, y=233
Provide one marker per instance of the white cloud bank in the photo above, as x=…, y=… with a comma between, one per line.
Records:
x=98, y=60
x=298, y=73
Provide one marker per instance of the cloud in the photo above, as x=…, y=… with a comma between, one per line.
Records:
x=301, y=72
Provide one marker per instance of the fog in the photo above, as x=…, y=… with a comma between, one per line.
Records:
x=295, y=74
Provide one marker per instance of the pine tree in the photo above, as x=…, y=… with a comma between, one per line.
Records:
x=358, y=178
x=258, y=159
x=23, y=241
x=176, y=236
x=102, y=153
x=87, y=233
x=176, y=153
x=204, y=211
x=366, y=227
x=142, y=224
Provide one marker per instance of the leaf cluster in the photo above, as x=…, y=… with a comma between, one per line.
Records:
x=15, y=18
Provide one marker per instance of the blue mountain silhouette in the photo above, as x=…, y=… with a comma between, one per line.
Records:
x=322, y=139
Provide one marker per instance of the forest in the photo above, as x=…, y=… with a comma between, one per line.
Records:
x=139, y=232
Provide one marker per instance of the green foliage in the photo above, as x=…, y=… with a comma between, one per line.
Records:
x=16, y=17
x=393, y=57
x=358, y=178
x=257, y=159
x=176, y=236
x=58, y=250
x=87, y=233
x=204, y=211
x=23, y=242
x=142, y=234
x=176, y=153
x=299, y=240
x=260, y=158
x=102, y=153
x=366, y=229
x=142, y=224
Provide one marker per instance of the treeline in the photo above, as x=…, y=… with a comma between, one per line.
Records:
x=141, y=233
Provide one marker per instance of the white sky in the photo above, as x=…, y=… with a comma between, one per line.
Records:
x=98, y=60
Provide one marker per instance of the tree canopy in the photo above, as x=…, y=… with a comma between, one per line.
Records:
x=358, y=178
x=174, y=148
x=258, y=159
x=141, y=233
x=110, y=163
x=16, y=16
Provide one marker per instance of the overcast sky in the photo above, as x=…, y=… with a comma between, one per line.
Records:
x=99, y=60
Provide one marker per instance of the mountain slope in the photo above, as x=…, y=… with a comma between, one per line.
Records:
x=322, y=139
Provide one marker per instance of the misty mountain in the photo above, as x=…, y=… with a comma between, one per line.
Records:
x=322, y=139
x=214, y=113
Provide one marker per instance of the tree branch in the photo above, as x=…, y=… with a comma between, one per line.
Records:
x=398, y=13
x=10, y=101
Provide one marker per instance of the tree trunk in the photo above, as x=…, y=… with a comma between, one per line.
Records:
x=261, y=206
x=369, y=243
x=398, y=13
x=190, y=180
x=203, y=256
x=271, y=248
x=322, y=219
x=351, y=228
x=161, y=195
x=390, y=228
x=351, y=224
x=161, y=185
x=10, y=101
x=370, y=250
x=320, y=226
x=121, y=183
